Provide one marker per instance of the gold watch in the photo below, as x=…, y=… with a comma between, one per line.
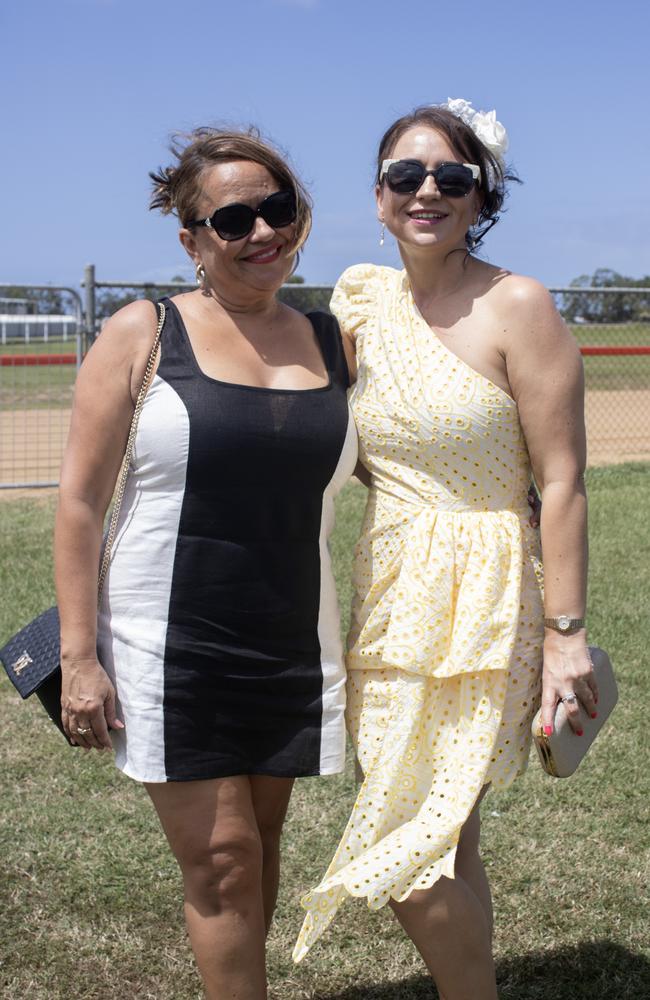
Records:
x=564, y=625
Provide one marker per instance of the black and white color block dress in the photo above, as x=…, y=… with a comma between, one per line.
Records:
x=219, y=621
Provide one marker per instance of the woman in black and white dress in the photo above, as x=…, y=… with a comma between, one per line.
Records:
x=216, y=663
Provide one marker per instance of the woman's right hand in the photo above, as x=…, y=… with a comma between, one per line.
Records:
x=88, y=704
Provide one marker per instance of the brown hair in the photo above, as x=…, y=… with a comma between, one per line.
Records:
x=177, y=188
x=468, y=146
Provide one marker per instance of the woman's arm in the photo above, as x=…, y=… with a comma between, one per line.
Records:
x=107, y=384
x=546, y=376
x=350, y=350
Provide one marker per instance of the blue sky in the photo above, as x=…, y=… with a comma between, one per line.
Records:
x=91, y=90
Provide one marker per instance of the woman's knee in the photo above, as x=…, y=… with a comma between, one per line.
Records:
x=225, y=871
x=427, y=904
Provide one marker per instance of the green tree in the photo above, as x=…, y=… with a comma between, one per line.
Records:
x=108, y=300
x=43, y=300
x=613, y=307
x=305, y=299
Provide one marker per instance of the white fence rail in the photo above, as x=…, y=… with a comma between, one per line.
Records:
x=29, y=328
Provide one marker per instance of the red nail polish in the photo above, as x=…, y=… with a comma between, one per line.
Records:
x=579, y=732
x=594, y=715
x=548, y=730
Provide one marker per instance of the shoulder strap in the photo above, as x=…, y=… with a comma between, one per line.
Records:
x=128, y=453
x=331, y=342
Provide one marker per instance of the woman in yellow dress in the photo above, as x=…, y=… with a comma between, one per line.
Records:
x=467, y=380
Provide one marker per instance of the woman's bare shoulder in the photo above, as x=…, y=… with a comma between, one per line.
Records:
x=134, y=322
x=516, y=292
x=527, y=319
x=118, y=357
x=127, y=335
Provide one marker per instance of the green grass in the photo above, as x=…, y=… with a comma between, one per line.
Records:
x=626, y=334
x=629, y=373
x=91, y=897
x=37, y=387
x=55, y=345
x=618, y=372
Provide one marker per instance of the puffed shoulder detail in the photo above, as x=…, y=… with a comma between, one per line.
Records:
x=354, y=297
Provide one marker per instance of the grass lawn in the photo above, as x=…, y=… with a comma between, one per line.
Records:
x=91, y=896
x=618, y=372
x=53, y=345
x=37, y=387
x=626, y=334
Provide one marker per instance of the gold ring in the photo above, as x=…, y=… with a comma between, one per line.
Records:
x=82, y=732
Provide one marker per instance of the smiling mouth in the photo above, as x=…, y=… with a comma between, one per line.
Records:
x=266, y=256
x=427, y=216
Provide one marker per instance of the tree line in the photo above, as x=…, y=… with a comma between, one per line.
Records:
x=54, y=301
x=612, y=307
x=575, y=306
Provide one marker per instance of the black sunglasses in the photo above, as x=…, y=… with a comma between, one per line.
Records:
x=455, y=180
x=233, y=222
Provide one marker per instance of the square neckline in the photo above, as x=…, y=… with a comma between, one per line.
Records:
x=245, y=385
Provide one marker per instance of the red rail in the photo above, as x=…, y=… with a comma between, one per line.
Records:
x=10, y=360
x=615, y=350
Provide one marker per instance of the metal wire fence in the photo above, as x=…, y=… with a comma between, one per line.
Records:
x=40, y=353
x=612, y=327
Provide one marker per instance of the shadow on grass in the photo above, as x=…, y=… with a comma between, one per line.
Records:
x=596, y=970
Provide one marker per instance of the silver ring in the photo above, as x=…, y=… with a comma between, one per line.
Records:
x=569, y=699
x=82, y=732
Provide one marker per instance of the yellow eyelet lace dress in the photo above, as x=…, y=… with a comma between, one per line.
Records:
x=445, y=648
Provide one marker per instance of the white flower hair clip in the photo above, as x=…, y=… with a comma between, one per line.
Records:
x=485, y=127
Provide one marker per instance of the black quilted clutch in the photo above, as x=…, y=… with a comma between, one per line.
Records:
x=32, y=660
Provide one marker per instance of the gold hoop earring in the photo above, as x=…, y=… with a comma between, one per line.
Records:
x=200, y=275
x=382, y=235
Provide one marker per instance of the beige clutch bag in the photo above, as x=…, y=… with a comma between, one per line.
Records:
x=561, y=752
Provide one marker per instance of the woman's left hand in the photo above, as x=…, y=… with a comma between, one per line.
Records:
x=568, y=677
x=535, y=504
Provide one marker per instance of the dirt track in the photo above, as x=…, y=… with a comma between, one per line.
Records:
x=32, y=441
x=31, y=445
x=618, y=426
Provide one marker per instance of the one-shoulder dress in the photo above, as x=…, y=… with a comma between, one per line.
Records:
x=445, y=648
x=218, y=621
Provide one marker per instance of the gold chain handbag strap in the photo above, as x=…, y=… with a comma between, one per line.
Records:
x=128, y=453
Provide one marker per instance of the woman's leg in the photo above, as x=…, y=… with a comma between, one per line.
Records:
x=270, y=802
x=470, y=866
x=212, y=829
x=450, y=927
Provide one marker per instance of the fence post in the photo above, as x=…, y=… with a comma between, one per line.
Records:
x=90, y=305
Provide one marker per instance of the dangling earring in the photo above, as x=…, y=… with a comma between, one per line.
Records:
x=382, y=234
x=200, y=275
